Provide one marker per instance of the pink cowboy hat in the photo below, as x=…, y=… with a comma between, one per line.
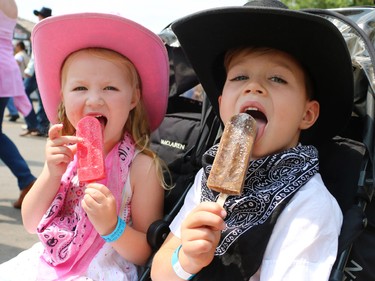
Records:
x=56, y=37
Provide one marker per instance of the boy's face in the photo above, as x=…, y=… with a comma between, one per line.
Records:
x=270, y=85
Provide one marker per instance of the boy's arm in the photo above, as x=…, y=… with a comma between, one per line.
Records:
x=161, y=265
x=200, y=234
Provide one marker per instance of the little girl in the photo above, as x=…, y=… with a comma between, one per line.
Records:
x=117, y=71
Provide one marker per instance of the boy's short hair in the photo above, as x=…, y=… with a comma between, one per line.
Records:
x=206, y=36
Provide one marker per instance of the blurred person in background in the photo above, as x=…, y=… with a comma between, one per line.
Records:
x=11, y=86
x=22, y=59
x=37, y=122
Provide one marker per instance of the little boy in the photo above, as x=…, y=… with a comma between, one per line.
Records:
x=267, y=62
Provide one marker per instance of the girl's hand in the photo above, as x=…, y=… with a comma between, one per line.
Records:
x=200, y=235
x=59, y=151
x=100, y=206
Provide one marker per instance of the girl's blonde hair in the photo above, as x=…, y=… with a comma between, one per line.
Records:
x=137, y=123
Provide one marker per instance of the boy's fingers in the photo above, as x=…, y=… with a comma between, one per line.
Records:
x=212, y=207
x=205, y=219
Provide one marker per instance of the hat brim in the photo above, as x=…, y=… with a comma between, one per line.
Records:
x=55, y=38
x=314, y=41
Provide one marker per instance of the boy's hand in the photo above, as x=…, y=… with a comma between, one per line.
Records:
x=200, y=235
x=59, y=150
x=100, y=206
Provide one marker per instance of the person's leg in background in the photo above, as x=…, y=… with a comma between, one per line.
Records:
x=11, y=157
x=42, y=117
x=13, y=112
x=31, y=119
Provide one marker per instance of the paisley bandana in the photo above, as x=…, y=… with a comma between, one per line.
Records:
x=69, y=238
x=269, y=185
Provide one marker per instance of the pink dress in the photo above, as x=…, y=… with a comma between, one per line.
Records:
x=11, y=84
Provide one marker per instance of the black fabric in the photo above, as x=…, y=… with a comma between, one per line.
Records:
x=174, y=142
x=181, y=76
x=361, y=262
x=177, y=134
x=342, y=166
x=340, y=163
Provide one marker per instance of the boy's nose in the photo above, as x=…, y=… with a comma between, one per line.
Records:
x=254, y=87
x=254, y=91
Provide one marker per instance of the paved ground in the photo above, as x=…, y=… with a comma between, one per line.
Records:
x=13, y=237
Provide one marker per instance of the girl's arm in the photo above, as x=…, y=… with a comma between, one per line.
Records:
x=59, y=153
x=146, y=207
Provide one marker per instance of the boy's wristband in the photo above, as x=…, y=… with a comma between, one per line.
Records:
x=180, y=272
x=116, y=234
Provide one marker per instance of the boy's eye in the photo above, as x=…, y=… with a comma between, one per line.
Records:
x=278, y=80
x=239, y=78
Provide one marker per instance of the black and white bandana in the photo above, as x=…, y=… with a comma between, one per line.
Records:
x=269, y=185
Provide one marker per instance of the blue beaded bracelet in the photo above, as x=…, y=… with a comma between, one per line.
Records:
x=116, y=234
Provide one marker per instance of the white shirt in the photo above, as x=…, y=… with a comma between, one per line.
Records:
x=303, y=244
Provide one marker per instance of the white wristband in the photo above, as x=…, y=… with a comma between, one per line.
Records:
x=180, y=272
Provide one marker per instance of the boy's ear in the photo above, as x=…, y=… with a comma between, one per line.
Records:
x=311, y=114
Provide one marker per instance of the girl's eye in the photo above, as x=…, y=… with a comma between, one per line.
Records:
x=80, y=88
x=278, y=80
x=239, y=78
x=110, y=88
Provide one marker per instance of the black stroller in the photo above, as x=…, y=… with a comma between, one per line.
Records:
x=357, y=242
x=346, y=161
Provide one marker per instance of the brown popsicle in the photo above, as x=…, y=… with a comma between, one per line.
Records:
x=229, y=168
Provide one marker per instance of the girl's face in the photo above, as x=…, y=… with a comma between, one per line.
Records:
x=271, y=86
x=95, y=86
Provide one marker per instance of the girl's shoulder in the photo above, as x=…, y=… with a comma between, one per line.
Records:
x=143, y=166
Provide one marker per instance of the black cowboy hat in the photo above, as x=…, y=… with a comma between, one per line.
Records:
x=314, y=41
x=44, y=12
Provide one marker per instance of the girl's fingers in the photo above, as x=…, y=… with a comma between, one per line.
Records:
x=57, y=139
x=95, y=194
x=55, y=131
x=97, y=187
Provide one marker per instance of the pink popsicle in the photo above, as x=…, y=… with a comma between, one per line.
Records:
x=90, y=151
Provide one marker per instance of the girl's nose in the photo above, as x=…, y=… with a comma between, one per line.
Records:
x=94, y=99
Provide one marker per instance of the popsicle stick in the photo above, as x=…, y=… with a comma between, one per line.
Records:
x=221, y=199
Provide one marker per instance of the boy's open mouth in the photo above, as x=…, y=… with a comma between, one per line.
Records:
x=260, y=118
